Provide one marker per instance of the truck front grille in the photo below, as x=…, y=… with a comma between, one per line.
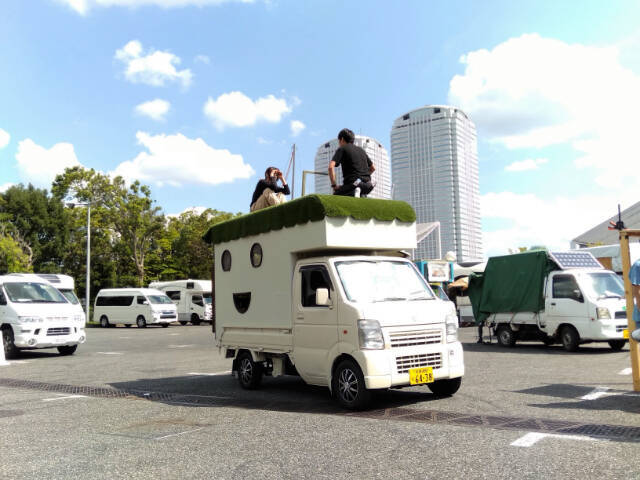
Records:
x=621, y=315
x=419, y=337
x=58, y=331
x=620, y=328
x=168, y=315
x=403, y=364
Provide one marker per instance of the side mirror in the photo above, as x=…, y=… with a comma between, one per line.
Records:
x=322, y=297
x=146, y=302
x=577, y=296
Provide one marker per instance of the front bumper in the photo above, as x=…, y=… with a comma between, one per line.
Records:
x=27, y=337
x=389, y=367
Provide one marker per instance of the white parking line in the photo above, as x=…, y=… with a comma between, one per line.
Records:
x=65, y=397
x=109, y=353
x=625, y=371
x=174, y=334
x=596, y=393
x=532, y=438
x=209, y=374
x=181, y=346
x=176, y=434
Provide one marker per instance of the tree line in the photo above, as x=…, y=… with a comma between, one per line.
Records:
x=132, y=241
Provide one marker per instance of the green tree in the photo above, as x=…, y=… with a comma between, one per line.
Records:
x=13, y=257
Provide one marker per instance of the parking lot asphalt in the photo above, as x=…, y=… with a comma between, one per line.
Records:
x=161, y=403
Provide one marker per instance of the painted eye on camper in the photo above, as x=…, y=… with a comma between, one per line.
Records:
x=256, y=255
x=226, y=260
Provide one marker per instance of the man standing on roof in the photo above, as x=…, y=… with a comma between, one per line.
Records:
x=357, y=167
x=267, y=192
x=634, y=277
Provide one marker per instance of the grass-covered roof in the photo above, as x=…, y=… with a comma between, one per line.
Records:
x=309, y=208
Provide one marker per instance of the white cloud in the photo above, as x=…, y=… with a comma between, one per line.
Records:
x=178, y=160
x=154, y=109
x=264, y=141
x=296, y=127
x=156, y=68
x=39, y=166
x=528, y=164
x=533, y=92
x=83, y=6
x=5, y=186
x=5, y=138
x=202, y=59
x=235, y=109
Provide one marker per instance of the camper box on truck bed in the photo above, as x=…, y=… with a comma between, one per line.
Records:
x=281, y=304
x=554, y=297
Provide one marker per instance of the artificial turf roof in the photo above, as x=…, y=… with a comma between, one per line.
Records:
x=310, y=208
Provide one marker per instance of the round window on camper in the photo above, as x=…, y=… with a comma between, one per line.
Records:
x=256, y=255
x=226, y=260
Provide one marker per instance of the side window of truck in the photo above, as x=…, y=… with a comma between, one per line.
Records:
x=174, y=294
x=564, y=286
x=3, y=299
x=312, y=278
x=141, y=300
x=197, y=299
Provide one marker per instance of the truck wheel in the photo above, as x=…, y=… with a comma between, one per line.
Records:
x=165, y=325
x=616, y=345
x=570, y=338
x=349, y=387
x=506, y=336
x=141, y=322
x=67, y=349
x=446, y=386
x=249, y=372
x=183, y=323
x=195, y=319
x=10, y=349
x=104, y=321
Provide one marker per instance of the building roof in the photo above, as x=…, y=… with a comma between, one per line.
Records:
x=310, y=208
x=601, y=235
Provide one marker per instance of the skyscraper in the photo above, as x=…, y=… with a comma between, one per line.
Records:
x=434, y=158
x=378, y=155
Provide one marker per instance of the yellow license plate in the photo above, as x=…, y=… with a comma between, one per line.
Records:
x=420, y=375
x=625, y=333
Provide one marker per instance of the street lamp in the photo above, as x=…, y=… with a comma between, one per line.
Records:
x=87, y=287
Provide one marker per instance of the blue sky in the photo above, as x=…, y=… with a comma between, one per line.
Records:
x=550, y=86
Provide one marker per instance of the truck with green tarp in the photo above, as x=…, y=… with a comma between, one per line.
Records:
x=553, y=297
x=321, y=287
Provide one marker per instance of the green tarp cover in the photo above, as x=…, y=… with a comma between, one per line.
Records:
x=510, y=283
x=309, y=208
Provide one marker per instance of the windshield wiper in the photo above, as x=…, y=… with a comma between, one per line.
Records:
x=609, y=296
x=390, y=299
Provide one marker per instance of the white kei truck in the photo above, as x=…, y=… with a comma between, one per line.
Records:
x=191, y=297
x=321, y=287
x=34, y=314
x=553, y=297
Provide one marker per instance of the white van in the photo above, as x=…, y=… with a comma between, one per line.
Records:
x=192, y=297
x=66, y=286
x=34, y=314
x=129, y=306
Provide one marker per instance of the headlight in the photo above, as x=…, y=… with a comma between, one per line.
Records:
x=452, y=328
x=602, y=313
x=78, y=318
x=30, y=319
x=370, y=335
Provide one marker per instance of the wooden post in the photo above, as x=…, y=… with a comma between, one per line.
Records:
x=631, y=325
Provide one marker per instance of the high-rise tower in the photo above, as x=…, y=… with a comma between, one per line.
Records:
x=378, y=155
x=434, y=159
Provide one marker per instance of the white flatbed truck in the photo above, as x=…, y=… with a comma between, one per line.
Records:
x=320, y=287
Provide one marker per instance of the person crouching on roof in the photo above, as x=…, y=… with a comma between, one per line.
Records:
x=267, y=192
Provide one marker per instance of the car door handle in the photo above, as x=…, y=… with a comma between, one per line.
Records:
x=300, y=316
x=553, y=304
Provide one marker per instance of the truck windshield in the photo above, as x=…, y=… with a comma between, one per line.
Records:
x=32, y=292
x=602, y=285
x=207, y=298
x=366, y=281
x=71, y=296
x=156, y=299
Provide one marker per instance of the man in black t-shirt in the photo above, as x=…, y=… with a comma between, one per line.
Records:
x=356, y=165
x=267, y=192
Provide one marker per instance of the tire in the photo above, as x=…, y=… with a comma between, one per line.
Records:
x=10, y=349
x=141, y=322
x=506, y=337
x=445, y=387
x=249, y=372
x=67, y=349
x=128, y=325
x=165, y=325
x=183, y=323
x=616, y=345
x=349, y=387
x=569, y=338
x=195, y=319
x=104, y=321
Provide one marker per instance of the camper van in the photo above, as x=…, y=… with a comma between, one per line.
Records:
x=322, y=287
x=66, y=285
x=34, y=314
x=191, y=297
x=133, y=306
